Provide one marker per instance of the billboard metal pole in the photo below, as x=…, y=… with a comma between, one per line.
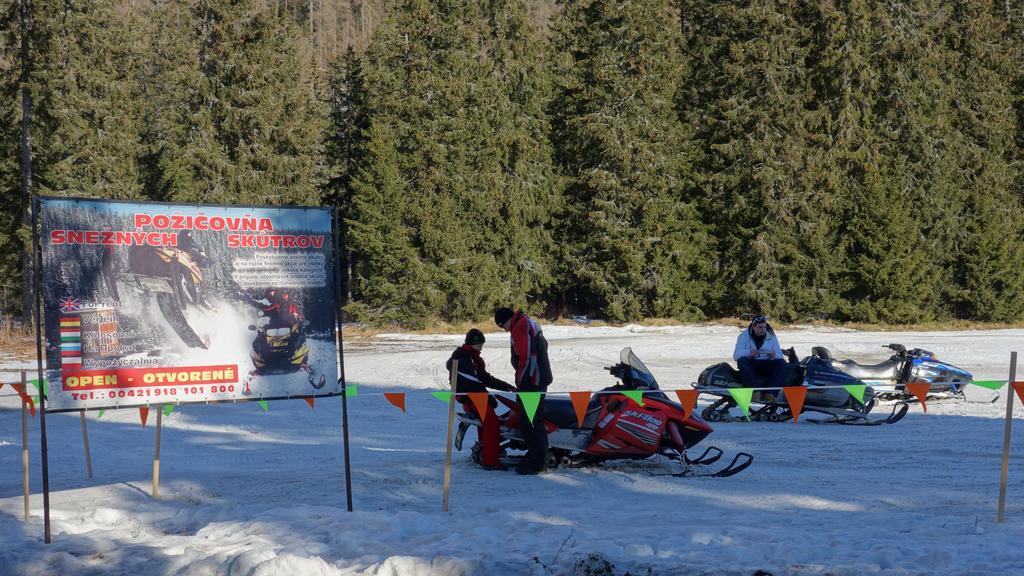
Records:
x=37, y=282
x=335, y=225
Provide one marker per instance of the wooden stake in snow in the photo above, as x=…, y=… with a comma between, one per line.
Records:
x=448, y=445
x=24, y=443
x=156, y=453
x=1006, y=436
x=85, y=443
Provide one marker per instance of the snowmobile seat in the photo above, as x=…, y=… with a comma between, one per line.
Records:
x=881, y=371
x=562, y=413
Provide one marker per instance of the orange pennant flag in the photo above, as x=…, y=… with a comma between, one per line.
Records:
x=144, y=415
x=397, y=399
x=795, y=396
x=920, y=389
x=480, y=403
x=580, y=400
x=1018, y=387
x=20, y=388
x=309, y=401
x=688, y=398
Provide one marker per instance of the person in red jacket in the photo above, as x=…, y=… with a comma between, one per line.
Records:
x=533, y=374
x=473, y=377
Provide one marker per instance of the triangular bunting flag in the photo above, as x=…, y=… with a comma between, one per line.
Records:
x=856, y=390
x=100, y=414
x=397, y=399
x=990, y=384
x=688, y=398
x=264, y=404
x=309, y=400
x=742, y=397
x=1018, y=387
x=920, y=389
x=442, y=395
x=580, y=400
x=168, y=408
x=351, y=390
x=20, y=389
x=795, y=396
x=634, y=395
x=480, y=400
x=144, y=415
x=530, y=402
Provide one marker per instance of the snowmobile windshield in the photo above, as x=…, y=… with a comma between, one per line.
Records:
x=641, y=374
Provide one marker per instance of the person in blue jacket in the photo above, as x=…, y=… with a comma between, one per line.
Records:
x=759, y=356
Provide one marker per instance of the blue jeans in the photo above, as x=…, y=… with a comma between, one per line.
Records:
x=763, y=373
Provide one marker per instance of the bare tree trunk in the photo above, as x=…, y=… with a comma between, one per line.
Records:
x=27, y=286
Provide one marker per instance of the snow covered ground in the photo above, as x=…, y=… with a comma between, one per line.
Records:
x=247, y=492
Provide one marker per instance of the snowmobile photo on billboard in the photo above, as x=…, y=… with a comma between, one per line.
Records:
x=825, y=395
x=889, y=378
x=614, y=427
x=167, y=274
x=281, y=350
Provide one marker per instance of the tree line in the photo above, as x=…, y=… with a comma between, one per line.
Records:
x=854, y=160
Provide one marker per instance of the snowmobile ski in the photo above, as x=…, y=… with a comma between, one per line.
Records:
x=899, y=410
x=691, y=468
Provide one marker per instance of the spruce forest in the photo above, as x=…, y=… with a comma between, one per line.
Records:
x=852, y=160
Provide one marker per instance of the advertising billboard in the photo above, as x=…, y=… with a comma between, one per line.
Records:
x=150, y=303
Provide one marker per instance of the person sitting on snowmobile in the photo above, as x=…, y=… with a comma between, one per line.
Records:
x=759, y=355
x=277, y=306
x=473, y=377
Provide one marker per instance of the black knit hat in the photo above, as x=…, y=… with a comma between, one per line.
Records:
x=502, y=315
x=475, y=336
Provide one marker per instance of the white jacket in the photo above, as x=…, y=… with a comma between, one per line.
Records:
x=745, y=343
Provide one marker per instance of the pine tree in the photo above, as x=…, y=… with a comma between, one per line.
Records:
x=251, y=128
x=86, y=118
x=631, y=226
x=749, y=97
x=987, y=263
x=12, y=201
x=889, y=276
x=469, y=165
x=345, y=142
x=517, y=168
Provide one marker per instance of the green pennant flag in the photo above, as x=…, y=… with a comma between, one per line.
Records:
x=351, y=390
x=635, y=395
x=442, y=395
x=856, y=390
x=990, y=384
x=530, y=402
x=167, y=409
x=264, y=404
x=742, y=397
x=100, y=414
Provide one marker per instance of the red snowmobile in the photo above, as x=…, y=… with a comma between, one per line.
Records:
x=614, y=427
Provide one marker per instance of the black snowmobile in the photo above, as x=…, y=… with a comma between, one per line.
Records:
x=281, y=350
x=889, y=378
x=825, y=394
x=171, y=276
